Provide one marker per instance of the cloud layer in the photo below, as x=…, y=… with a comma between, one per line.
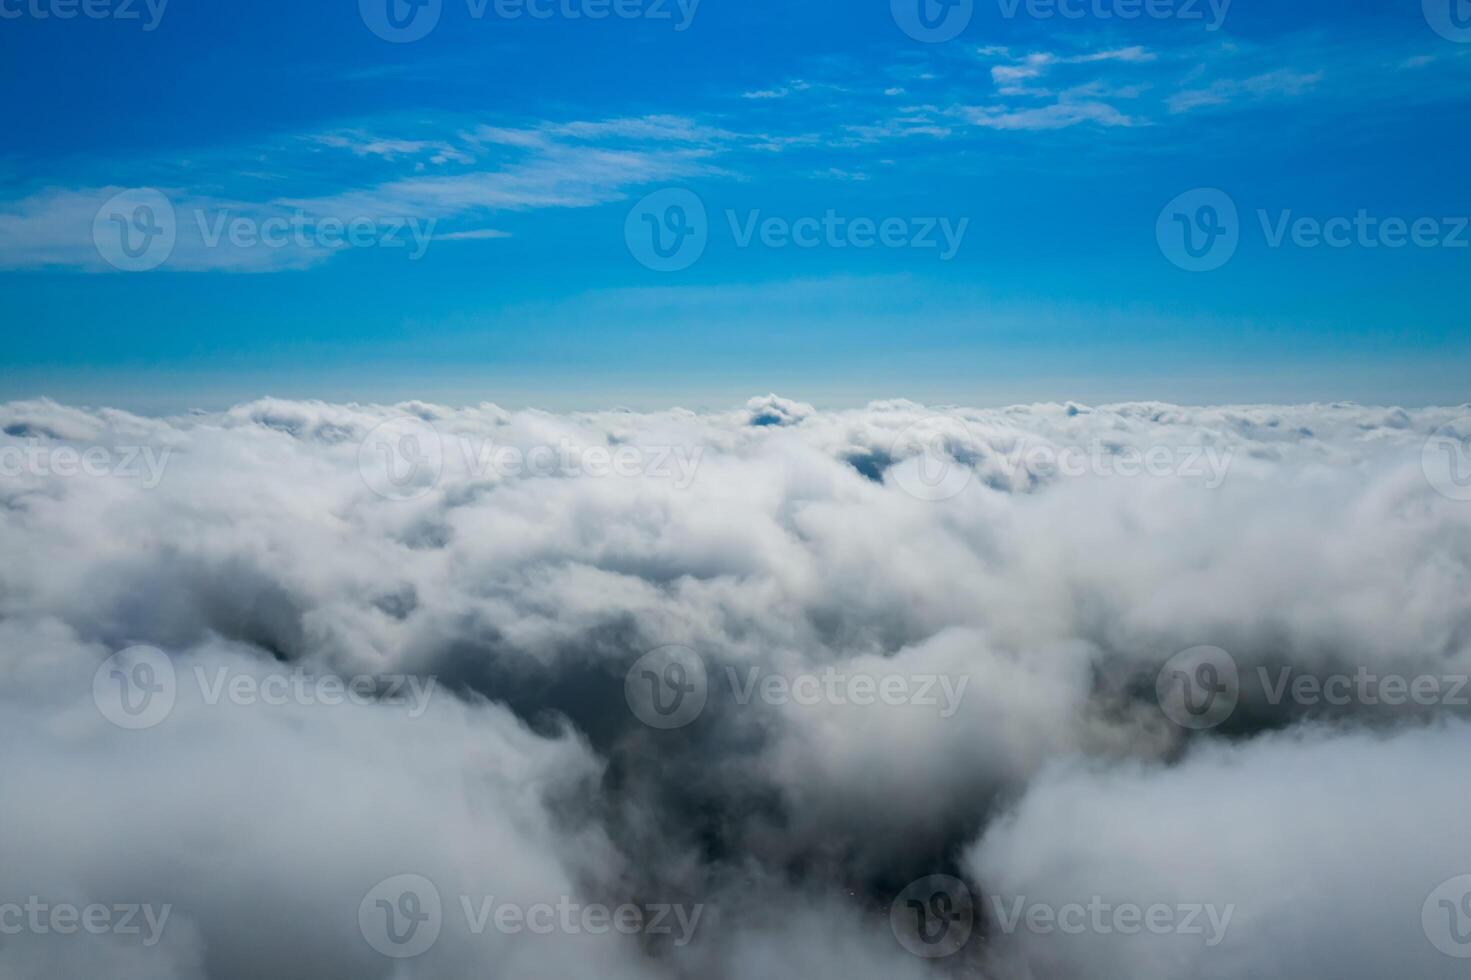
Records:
x=925, y=642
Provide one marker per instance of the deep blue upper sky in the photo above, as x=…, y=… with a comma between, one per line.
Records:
x=525, y=146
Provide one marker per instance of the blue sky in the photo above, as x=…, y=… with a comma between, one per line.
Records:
x=496, y=169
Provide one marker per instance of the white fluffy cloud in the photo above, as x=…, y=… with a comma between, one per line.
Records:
x=1019, y=576
x=1324, y=846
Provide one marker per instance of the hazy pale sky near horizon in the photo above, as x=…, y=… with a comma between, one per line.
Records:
x=991, y=202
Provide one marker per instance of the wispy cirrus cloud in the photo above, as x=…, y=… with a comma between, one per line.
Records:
x=446, y=180
x=1058, y=115
x=795, y=86
x=1117, y=86
x=1283, y=83
x=465, y=173
x=364, y=144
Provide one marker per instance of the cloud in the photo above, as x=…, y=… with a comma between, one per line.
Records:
x=1081, y=103
x=1059, y=115
x=475, y=235
x=775, y=410
x=1299, y=834
x=796, y=85
x=789, y=549
x=1284, y=83
x=1033, y=67
x=434, y=188
x=364, y=144
x=1135, y=54
x=66, y=228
